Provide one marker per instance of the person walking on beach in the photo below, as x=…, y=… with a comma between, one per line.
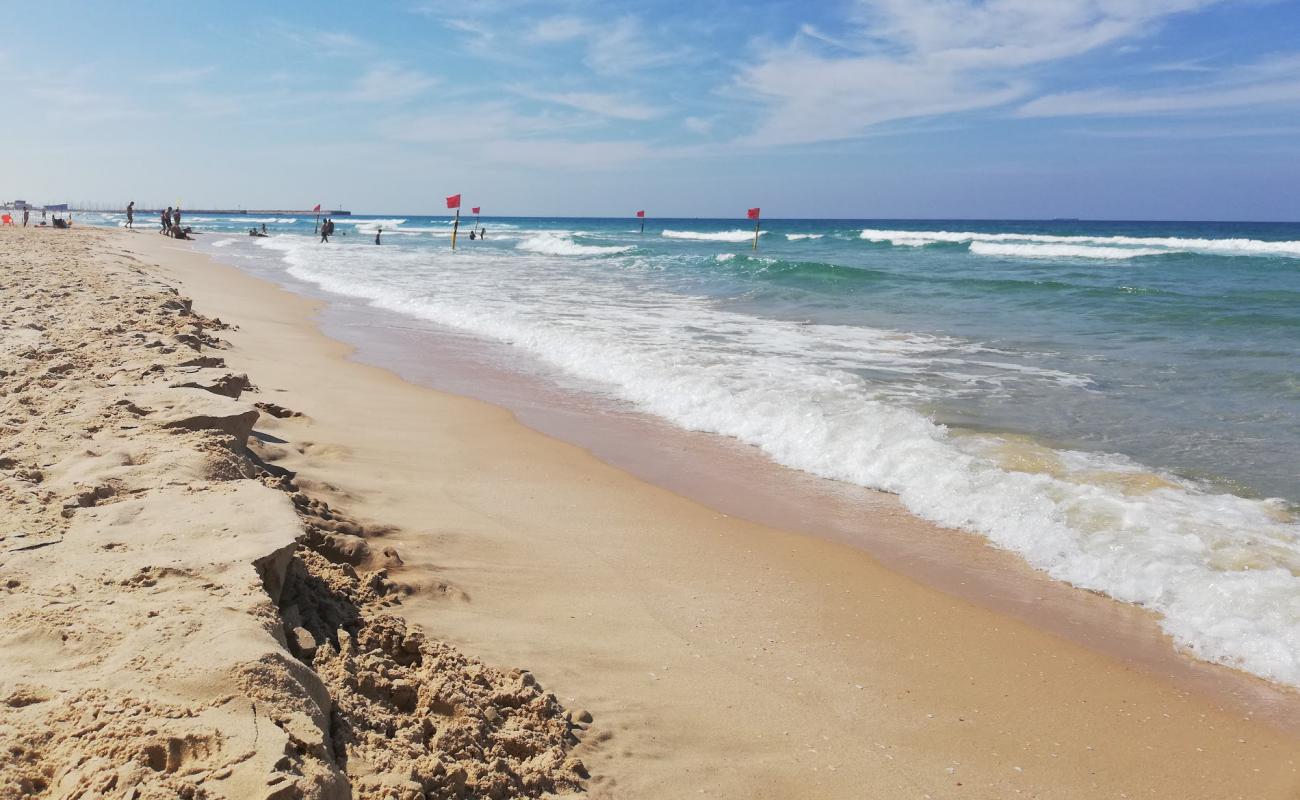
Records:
x=166, y=220
x=130, y=215
x=26, y=214
x=176, y=217
x=325, y=231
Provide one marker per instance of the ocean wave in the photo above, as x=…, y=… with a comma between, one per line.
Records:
x=1060, y=251
x=553, y=244
x=223, y=243
x=713, y=236
x=371, y=223
x=797, y=237
x=1167, y=244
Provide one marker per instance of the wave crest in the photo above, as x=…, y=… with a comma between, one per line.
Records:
x=712, y=236
x=552, y=244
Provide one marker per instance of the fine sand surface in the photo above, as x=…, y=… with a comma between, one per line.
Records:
x=178, y=620
x=718, y=657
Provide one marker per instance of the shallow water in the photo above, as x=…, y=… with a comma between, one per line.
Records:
x=1117, y=402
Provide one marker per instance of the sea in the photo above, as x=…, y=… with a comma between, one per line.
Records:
x=1116, y=402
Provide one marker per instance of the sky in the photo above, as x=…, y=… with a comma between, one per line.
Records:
x=1107, y=109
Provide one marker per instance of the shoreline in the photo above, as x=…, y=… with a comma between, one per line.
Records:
x=738, y=480
x=495, y=580
x=718, y=656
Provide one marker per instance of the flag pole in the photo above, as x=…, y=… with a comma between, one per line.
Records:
x=756, y=224
x=455, y=226
x=643, y=225
x=318, y=218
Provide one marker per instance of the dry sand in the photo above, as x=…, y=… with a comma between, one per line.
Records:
x=178, y=620
x=718, y=657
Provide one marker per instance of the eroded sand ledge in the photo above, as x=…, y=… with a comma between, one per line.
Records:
x=179, y=619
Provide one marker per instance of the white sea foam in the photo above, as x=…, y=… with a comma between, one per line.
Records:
x=724, y=256
x=713, y=236
x=1173, y=244
x=223, y=242
x=554, y=244
x=797, y=237
x=371, y=223
x=1060, y=251
x=1223, y=571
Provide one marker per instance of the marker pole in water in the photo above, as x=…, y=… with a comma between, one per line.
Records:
x=754, y=214
x=641, y=214
x=454, y=202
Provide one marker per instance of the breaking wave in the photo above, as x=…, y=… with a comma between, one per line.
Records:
x=713, y=236
x=554, y=244
x=1159, y=245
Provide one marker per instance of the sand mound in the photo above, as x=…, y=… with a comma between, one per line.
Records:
x=178, y=619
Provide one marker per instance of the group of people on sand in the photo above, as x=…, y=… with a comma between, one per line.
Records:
x=170, y=221
x=27, y=218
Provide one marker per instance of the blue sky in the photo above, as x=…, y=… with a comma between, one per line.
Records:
x=1151, y=109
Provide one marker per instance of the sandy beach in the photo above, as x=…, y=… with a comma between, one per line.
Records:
x=240, y=563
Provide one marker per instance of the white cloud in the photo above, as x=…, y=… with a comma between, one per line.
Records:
x=915, y=58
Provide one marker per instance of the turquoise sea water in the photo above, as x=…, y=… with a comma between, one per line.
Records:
x=1119, y=402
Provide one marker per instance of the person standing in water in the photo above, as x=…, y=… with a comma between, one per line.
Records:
x=166, y=220
x=381, y=230
x=130, y=215
x=325, y=231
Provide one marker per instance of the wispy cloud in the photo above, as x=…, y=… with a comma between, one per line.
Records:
x=179, y=77
x=320, y=42
x=912, y=58
x=1270, y=83
x=477, y=122
x=1171, y=132
x=699, y=125
x=600, y=103
x=616, y=46
x=389, y=83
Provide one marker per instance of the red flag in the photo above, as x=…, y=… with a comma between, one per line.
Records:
x=753, y=213
x=641, y=214
x=317, y=208
x=474, y=209
x=453, y=201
